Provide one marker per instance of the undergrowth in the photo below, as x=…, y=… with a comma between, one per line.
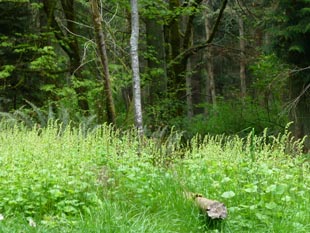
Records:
x=58, y=179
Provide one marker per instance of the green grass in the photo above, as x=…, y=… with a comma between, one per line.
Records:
x=108, y=181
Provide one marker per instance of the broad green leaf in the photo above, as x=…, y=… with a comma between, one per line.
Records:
x=251, y=189
x=228, y=194
x=271, y=205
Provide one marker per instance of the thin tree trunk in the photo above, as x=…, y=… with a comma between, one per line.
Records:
x=300, y=113
x=210, y=65
x=188, y=41
x=100, y=40
x=242, y=58
x=134, y=39
x=189, y=98
x=175, y=71
x=178, y=43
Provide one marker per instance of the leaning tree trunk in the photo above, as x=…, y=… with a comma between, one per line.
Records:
x=134, y=39
x=101, y=47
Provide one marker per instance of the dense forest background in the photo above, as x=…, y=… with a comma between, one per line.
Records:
x=206, y=66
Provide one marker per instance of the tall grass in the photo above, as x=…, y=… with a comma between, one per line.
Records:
x=66, y=180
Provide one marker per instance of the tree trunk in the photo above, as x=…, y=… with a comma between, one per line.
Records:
x=134, y=39
x=212, y=209
x=155, y=41
x=300, y=113
x=101, y=47
x=177, y=61
x=210, y=66
x=189, y=98
x=176, y=70
x=242, y=58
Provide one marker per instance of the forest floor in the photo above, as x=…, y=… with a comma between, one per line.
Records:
x=55, y=180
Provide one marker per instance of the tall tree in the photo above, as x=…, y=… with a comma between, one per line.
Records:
x=134, y=40
x=156, y=69
x=179, y=55
x=291, y=36
x=65, y=34
x=175, y=70
x=101, y=48
x=27, y=60
x=242, y=57
x=210, y=81
x=189, y=93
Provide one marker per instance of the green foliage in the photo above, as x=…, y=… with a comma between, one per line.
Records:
x=291, y=44
x=28, y=59
x=46, y=61
x=41, y=179
x=258, y=195
x=106, y=182
x=271, y=75
x=6, y=71
x=292, y=34
x=230, y=117
x=35, y=117
x=157, y=10
x=162, y=12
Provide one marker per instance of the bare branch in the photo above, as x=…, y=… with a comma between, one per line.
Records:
x=188, y=52
x=72, y=33
x=78, y=23
x=301, y=69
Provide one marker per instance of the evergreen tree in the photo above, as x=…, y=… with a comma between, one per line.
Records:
x=291, y=43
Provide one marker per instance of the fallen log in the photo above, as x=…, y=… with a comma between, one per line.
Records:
x=211, y=208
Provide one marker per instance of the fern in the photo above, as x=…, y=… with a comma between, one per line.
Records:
x=297, y=48
x=22, y=116
x=40, y=114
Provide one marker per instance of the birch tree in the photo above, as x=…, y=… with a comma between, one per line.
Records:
x=135, y=64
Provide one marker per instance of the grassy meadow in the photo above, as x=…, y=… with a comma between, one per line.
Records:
x=105, y=180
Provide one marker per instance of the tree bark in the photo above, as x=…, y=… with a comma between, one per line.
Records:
x=211, y=208
x=189, y=98
x=176, y=69
x=178, y=43
x=134, y=39
x=242, y=58
x=210, y=66
x=300, y=113
x=101, y=47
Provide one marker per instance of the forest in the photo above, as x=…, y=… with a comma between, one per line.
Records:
x=207, y=67
x=111, y=110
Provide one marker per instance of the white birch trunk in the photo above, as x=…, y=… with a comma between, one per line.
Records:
x=134, y=39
